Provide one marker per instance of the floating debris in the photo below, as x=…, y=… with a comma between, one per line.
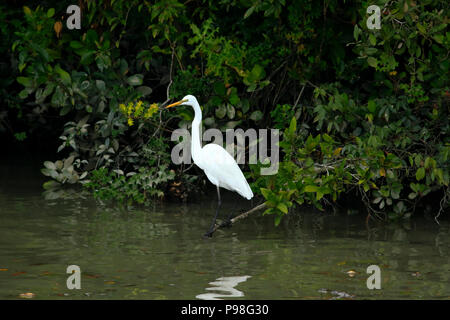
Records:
x=351, y=273
x=337, y=294
x=27, y=295
x=341, y=295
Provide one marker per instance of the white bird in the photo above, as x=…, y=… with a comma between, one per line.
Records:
x=218, y=165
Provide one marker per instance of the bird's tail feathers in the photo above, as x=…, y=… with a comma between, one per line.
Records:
x=246, y=192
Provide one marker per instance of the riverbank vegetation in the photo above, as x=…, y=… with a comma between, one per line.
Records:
x=362, y=113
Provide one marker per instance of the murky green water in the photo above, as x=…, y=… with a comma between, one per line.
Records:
x=159, y=253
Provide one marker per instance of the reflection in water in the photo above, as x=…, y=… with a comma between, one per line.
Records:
x=224, y=284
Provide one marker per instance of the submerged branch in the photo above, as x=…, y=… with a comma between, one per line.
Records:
x=241, y=216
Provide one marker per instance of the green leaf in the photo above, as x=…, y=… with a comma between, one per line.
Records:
x=51, y=185
x=356, y=32
x=103, y=61
x=245, y=105
x=319, y=195
x=144, y=90
x=221, y=111
x=48, y=89
x=42, y=51
x=100, y=84
x=23, y=94
x=439, y=38
x=293, y=126
x=22, y=66
x=210, y=122
x=266, y=192
x=249, y=12
x=282, y=207
x=427, y=162
x=256, y=115
x=50, y=12
x=135, y=80
x=68, y=162
x=277, y=220
x=372, y=62
x=311, y=188
x=50, y=165
x=26, y=82
x=124, y=66
x=48, y=172
x=372, y=106
x=186, y=115
x=27, y=10
x=215, y=100
x=257, y=73
x=65, y=76
x=395, y=194
x=232, y=124
x=234, y=98
x=421, y=28
x=377, y=200
x=418, y=160
x=87, y=57
x=20, y=136
x=412, y=195
x=65, y=110
x=372, y=39
x=251, y=87
x=230, y=111
x=420, y=173
x=91, y=36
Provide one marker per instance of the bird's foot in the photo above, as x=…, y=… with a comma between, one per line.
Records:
x=208, y=234
x=226, y=223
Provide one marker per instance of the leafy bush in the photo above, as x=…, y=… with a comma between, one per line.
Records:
x=361, y=110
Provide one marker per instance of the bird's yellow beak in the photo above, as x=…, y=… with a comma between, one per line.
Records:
x=176, y=103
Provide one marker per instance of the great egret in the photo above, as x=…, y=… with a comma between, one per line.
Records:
x=218, y=165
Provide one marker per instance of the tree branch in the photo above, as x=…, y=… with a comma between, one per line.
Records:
x=241, y=216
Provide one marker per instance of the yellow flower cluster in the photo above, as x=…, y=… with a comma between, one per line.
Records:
x=151, y=110
x=137, y=110
x=393, y=73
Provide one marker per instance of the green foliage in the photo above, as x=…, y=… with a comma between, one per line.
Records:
x=63, y=171
x=359, y=110
x=140, y=187
x=379, y=134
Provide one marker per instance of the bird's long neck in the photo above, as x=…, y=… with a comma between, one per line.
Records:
x=196, y=144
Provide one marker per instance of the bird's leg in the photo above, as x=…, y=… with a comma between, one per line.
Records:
x=227, y=222
x=219, y=202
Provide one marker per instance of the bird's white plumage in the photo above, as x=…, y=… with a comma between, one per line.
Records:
x=218, y=165
x=223, y=171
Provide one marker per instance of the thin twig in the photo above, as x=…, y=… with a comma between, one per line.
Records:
x=279, y=88
x=170, y=74
x=299, y=96
x=167, y=94
x=441, y=206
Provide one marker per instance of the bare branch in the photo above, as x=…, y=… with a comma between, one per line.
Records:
x=241, y=216
x=299, y=96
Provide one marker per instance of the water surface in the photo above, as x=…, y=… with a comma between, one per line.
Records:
x=159, y=252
